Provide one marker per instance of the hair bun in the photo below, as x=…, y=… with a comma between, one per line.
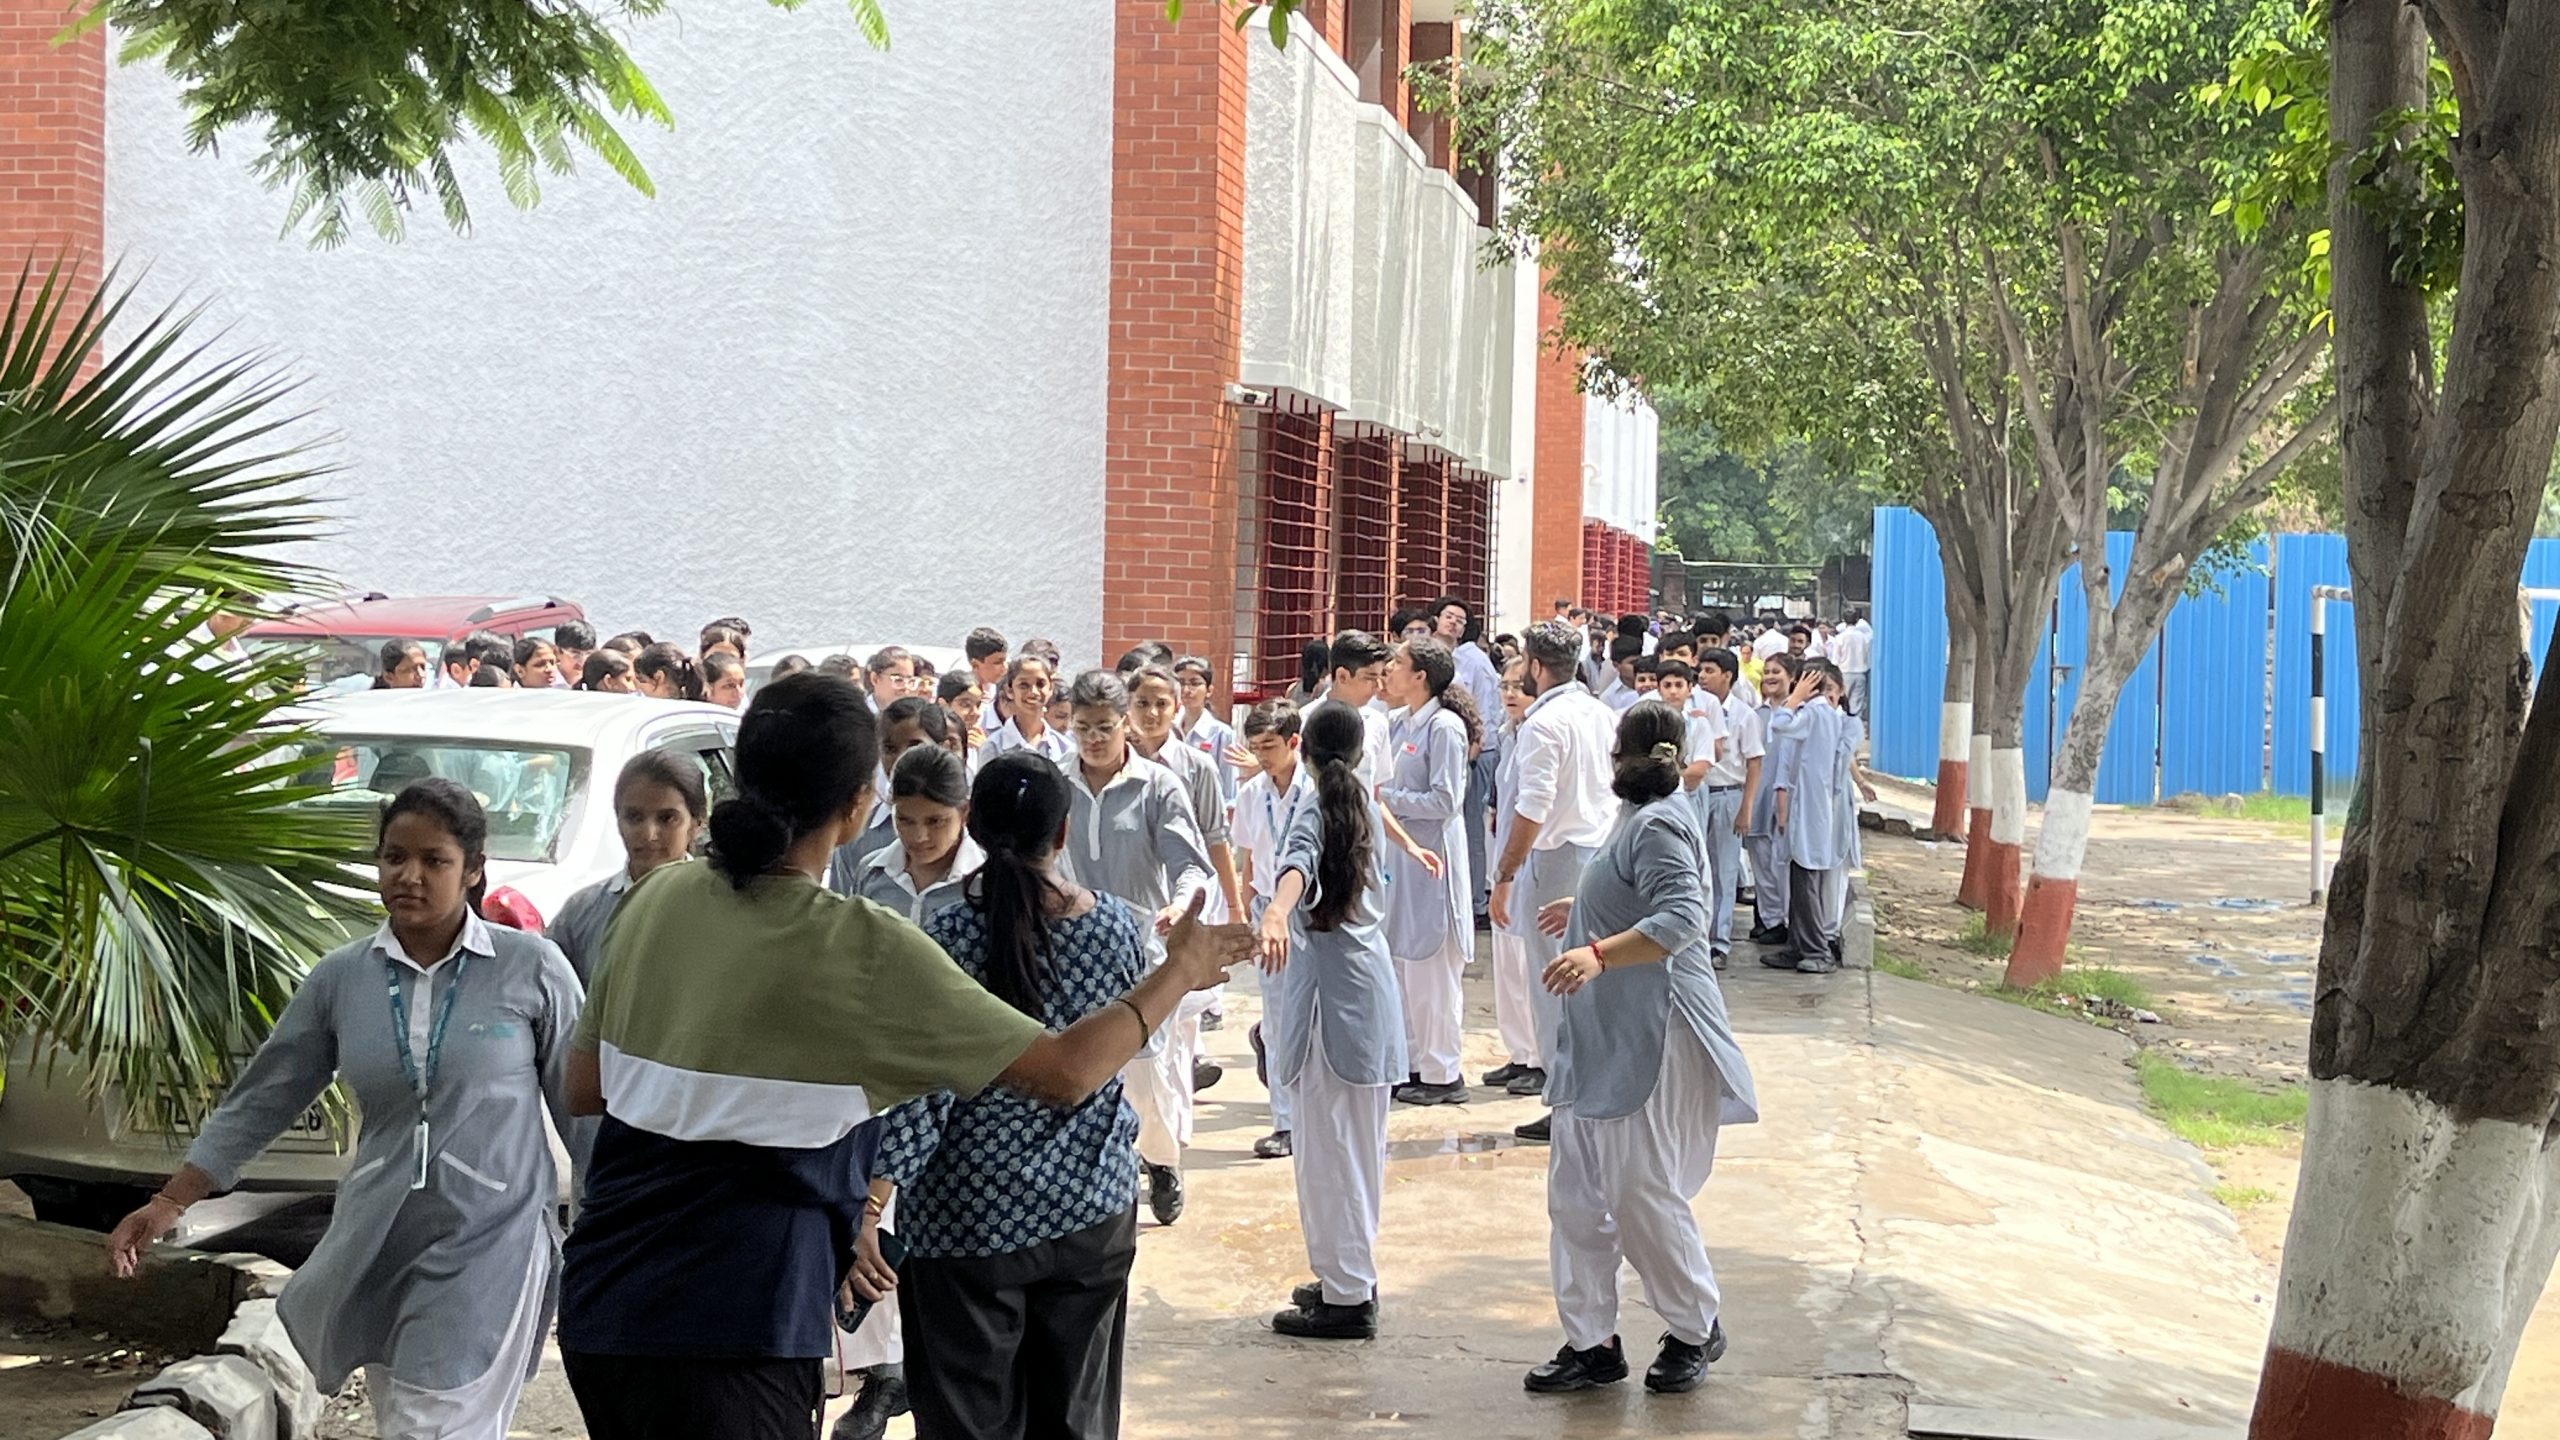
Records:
x=749, y=835
x=1667, y=751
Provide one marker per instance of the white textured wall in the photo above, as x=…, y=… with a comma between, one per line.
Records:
x=844, y=376
x=1618, y=463
x=1514, y=603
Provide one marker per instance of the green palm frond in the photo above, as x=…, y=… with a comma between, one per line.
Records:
x=161, y=892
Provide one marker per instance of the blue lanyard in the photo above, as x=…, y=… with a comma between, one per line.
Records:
x=1281, y=827
x=421, y=1082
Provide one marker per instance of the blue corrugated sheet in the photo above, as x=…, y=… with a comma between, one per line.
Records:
x=2213, y=726
x=1908, y=599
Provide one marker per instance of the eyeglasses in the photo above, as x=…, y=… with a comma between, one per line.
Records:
x=1103, y=730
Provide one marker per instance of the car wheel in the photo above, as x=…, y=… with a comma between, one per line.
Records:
x=82, y=1204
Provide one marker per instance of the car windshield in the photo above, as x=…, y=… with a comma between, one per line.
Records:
x=336, y=657
x=526, y=789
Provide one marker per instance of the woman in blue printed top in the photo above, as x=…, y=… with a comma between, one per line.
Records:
x=1019, y=1218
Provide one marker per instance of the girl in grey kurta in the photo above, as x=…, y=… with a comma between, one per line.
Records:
x=437, y=1273
x=1335, y=1031
x=659, y=806
x=1765, y=839
x=1431, y=921
x=1646, y=1072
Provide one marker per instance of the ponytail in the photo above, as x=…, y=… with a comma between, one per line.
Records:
x=1347, y=863
x=1016, y=809
x=678, y=667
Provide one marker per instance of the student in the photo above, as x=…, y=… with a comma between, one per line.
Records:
x=724, y=678
x=1026, y=683
x=958, y=693
x=459, y=667
x=906, y=724
x=1315, y=665
x=1620, y=691
x=659, y=808
x=1265, y=808
x=536, y=663
x=451, y=1191
x=1154, y=701
x=722, y=635
x=493, y=651
x=1724, y=797
x=985, y=652
x=1648, y=676
x=576, y=638
x=1822, y=823
x=1561, y=812
x=404, y=666
x=746, y=1026
x=630, y=643
x=608, y=671
x=1132, y=834
x=1430, y=923
x=1646, y=1075
x=1019, y=1218
x=1770, y=643
x=667, y=673
x=1705, y=747
x=1201, y=727
x=891, y=671
x=1454, y=623
x=1522, y=1071
x=1800, y=641
x=1334, y=1033
x=1853, y=650
x=491, y=677
x=1680, y=645
x=1359, y=671
x=1764, y=833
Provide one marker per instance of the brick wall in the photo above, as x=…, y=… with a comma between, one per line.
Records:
x=1177, y=248
x=53, y=117
x=1555, y=469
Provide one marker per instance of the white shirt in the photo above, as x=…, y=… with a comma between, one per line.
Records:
x=1262, y=821
x=1706, y=734
x=1768, y=643
x=1620, y=696
x=1850, y=649
x=1742, y=730
x=474, y=937
x=1476, y=672
x=1565, y=741
x=1055, y=743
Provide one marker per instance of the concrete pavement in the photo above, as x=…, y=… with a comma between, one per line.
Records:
x=1950, y=1201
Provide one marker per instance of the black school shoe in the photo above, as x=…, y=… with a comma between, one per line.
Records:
x=1329, y=1322
x=1578, y=1370
x=1502, y=1074
x=1535, y=1130
x=1311, y=1294
x=1769, y=935
x=882, y=1399
x=1164, y=1192
x=1275, y=1146
x=1423, y=1092
x=1682, y=1366
x=1530, y=1081
x=1205, y=1074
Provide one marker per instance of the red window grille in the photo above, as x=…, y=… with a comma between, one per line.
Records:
x=1422, y=526
x=1364, y=504
x=1469, y=573
x=1596, y=591
x=1284, y=541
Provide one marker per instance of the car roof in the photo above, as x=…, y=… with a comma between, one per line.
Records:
x=944, y=658
x=419, y=616
x=570, y=719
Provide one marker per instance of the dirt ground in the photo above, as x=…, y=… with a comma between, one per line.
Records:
x=2211, y=915
x=57, y=1378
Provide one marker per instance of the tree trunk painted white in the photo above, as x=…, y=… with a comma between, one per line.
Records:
x=2044, y=922
x=2008, y=829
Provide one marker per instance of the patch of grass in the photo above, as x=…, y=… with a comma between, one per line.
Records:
x=2101, y=982
x=2241, y=1197
x=2268, y=808
x=2214, y=1113
x=1977, y=939
x=1892, y=964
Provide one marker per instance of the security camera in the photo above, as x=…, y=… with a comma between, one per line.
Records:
x=1247, y=395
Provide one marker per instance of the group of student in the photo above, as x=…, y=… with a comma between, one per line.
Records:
x=789, y=1109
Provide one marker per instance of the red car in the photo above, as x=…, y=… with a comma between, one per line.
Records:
x=347, y=635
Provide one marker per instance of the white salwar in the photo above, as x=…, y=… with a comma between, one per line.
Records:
x=1159, y=1089
x=1434, y=1010
x=483, y=1409
x=1620, y=1189
x=1339, y=1143
x=1513, y=1012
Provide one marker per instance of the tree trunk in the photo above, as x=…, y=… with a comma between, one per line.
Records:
x=2118, y=638
x=1955, y=719
x=2424, y=1225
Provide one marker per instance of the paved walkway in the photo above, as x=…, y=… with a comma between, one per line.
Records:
x=1951, y=1201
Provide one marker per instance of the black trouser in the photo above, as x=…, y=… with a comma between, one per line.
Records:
x=655, y=1397
x=1813, y=923
x=1020, y=1345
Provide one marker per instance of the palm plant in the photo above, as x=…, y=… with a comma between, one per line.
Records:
x=160, y=892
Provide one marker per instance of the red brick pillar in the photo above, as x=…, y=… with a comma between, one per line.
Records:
x=53, y=130
x=1555, y=469
x=1177, y=258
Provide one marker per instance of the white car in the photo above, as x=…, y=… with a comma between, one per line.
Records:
x=542, y=762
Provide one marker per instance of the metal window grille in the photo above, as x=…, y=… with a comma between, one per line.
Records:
x=1422, y=526
x=1284, y=542
x=1596, y=592
x=1469, y=574
x=1364, y=503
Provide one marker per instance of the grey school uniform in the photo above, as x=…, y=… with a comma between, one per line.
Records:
x=1426, y=787
x=884, y=881
x=1199, y=776
x=579, y=927
x=844, y=864
x=425, y=1281
x=1137, y=839
x=1648, y=876
x=1342, y=979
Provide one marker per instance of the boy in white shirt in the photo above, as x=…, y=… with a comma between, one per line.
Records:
x=1265, y=806
x=1724, y=795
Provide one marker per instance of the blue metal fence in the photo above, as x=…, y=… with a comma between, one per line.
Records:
x=2196, y=716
